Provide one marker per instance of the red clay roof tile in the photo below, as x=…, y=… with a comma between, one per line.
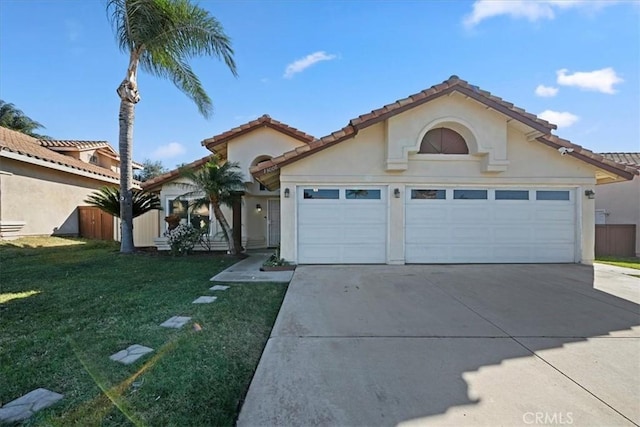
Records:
x=453, y=83
x=16, y=142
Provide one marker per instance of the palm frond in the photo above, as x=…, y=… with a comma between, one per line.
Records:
x=166, y=34
x=108, y=200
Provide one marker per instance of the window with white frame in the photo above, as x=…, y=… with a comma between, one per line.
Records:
x=198, y=216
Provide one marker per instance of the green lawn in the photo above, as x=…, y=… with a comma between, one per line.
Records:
x=66, y=305
x=620, y=261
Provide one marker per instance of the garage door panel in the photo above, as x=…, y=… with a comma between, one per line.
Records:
x=470, y=212
x=432, y=253
x=363, y=254
x=505, y=235
x=343, y=230
x=428, y=234
x=554, y=233
x=465, y=231
x=512, y=214
x=470, y=233
x=426, y=213
x=318, y=214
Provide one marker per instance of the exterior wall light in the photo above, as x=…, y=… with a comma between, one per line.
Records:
x=258, y=207
x=396, y=193
x=286, y=193
x=590, y=194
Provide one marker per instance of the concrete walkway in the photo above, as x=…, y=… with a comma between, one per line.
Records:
x=458, y=345
x=248, y=271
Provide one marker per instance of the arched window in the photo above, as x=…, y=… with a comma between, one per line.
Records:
x=443, y=141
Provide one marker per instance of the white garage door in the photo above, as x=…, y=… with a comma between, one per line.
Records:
x=342, y=225
x=489, y=225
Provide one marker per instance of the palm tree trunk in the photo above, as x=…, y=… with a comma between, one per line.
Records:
x=126, y=178
x=128, y=93
x=226, y=229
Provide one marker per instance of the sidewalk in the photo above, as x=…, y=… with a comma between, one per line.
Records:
x=248, y=271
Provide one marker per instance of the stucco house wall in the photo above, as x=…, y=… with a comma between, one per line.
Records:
x=384, y=154
x=246, y=149
x=45, y=199
x=621, y=204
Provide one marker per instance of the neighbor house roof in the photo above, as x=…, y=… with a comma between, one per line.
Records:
x=218, y=143
x=82, y=145
x=629, y=159
x=267, y=172
x=26, y=148
x=75, y=145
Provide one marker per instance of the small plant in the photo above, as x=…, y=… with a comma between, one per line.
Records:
x=274, y=261
x=182, y=239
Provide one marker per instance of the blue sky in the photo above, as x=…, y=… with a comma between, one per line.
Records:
x=316, y=64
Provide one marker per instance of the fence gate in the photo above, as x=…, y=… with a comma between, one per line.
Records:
x=94, y=223
x=616, y=240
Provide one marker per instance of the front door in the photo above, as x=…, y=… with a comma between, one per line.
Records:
x=273, y=222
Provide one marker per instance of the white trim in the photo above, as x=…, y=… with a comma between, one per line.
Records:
x=57, y=166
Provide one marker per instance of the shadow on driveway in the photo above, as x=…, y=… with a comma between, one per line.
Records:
x=456, y=345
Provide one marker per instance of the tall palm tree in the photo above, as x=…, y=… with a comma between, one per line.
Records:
x=160, y=36
x=108, y=200
x=13, y=118
x=217, y=185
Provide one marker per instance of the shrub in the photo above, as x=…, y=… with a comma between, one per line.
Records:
x=182, y=239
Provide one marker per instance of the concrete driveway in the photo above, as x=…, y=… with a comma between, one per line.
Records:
x=452, y=345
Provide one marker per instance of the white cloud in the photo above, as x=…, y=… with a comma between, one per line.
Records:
x=598, y=80
x=302, y=64
x=168, y=151
x=531, y=10
x=562, y=119
x=546, y=91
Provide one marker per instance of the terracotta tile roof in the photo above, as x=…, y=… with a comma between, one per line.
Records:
x=25, y=145
x=82, y=145
x=267, y=172
x=217, y=143
x=589, y=156
x=629, y=159
x=454, y=83
x=165, y=177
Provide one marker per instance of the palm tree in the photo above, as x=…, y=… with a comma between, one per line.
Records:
x=160, y=36
x=13, y=118
x=108, y=200
x=216, y=185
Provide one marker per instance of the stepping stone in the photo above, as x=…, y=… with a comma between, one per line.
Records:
x=130, y=354
x=175, y=322
x=27, y=405
x=204, y=300
x=219, y=288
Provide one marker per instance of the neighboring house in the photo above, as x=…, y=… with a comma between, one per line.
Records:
x=42, y=182
x=619, y=204
x=452, y=174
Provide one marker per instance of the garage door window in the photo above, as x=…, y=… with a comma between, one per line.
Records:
x=428, y=194
x=360, y=194
x=324, y=194
x=470, y=194
x=552, y=195
x=512, y=195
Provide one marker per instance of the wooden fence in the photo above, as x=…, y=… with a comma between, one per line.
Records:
x=616, y=240
x=94, y=223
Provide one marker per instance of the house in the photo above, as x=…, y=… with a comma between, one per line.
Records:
x=618, y=211
x=452, y=174
x=43, y=182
